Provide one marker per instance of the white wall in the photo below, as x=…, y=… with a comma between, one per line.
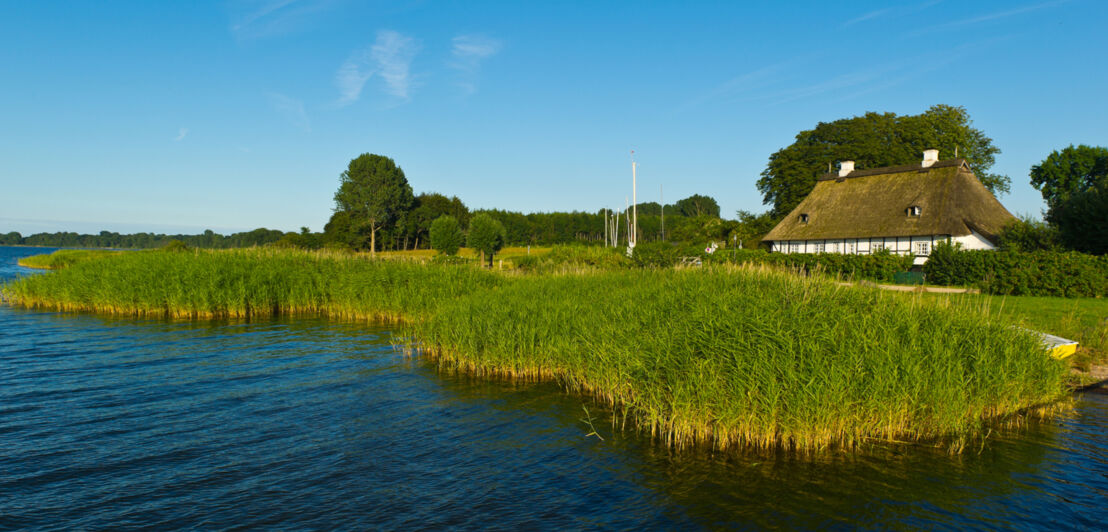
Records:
x=904, y=245
x=974, y=240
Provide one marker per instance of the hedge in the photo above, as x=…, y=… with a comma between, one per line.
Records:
x=1037, y=273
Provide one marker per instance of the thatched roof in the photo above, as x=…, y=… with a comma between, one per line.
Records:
x=875, y=203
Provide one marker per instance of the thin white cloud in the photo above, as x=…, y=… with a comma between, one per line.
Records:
x=895, y=11
x=351, y=77
x=181, y=134
x=393, y=54
x=467, y=53
x=837, y=83
x=926, y=64
x=264, y=18
x=739, y=84
x=291, y=109
x=390, y=57
x=988, y=17
x=867, y=16
x=470, y=50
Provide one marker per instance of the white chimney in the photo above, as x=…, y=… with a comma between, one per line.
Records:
x=930, y=157
x=845, y=167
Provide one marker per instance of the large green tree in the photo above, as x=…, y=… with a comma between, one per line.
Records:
x=1074, y=183
x=374, y=193
x=872, y=141
x=1069, y=170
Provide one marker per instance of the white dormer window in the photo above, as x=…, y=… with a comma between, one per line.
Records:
x=914, y=211
x=804, y=218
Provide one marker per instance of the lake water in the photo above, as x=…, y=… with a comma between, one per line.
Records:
x=122, y=423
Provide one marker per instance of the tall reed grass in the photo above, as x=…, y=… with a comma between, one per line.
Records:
x=752, y=357
x=63, y=258
x=726, y=356
x=248, y=283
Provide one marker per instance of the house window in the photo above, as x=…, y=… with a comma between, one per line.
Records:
x=914, y=211
x=923, y=248
x=833, y=247
x=876, y=246
x=821, y=248
x=804, y=218
x=794, y=247
x=852, y=248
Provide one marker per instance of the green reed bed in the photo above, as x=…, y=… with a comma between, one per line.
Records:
x=752, y=357
x=727, y=356
x=246, y=283
x=63, y=258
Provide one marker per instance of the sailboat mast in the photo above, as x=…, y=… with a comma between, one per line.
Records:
x=634, y=203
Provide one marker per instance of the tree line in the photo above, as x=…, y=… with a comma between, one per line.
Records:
x=110, y=239
x=376, y=210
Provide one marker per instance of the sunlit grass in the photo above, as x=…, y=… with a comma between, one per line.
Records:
x=726, y=356
x=248, y=283
x=751, y=357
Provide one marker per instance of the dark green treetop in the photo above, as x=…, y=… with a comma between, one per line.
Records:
x=697, y=205
x=876, y=140
x=1069, y=170
x=1082, y=219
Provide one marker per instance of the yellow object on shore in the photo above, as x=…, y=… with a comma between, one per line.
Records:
x=1059, y=347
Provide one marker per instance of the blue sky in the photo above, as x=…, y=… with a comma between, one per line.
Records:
x=147, y=116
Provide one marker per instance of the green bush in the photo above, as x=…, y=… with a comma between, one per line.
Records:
x=656, y=255
x=1038, y=273
x=446, y=235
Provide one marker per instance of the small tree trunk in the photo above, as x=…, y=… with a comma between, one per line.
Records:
x=373, y=240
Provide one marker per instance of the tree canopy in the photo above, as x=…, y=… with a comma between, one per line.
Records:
x=1070, y=170
x=486, y=235
x=1082, y=219
x=374, y=193
x=875, y=140
x=446, y=235
x=697, y=205
x=430, y=206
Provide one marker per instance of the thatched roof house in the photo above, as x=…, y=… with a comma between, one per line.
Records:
x=906, y=209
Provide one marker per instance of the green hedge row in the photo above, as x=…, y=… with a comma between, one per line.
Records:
x=1037, y=273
